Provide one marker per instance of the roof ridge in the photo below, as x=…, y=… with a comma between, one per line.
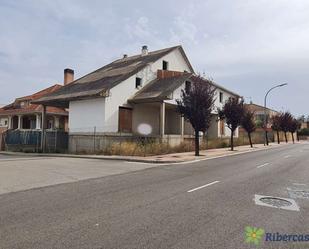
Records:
x=96, y=82
x=127, y=59
x=31, y=95
x=149, y=53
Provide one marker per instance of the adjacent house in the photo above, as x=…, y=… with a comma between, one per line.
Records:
x=131, y=97
x=259, y=114
x=304, y=124
x=22, y=114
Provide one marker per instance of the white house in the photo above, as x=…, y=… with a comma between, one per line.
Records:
x=133, y=96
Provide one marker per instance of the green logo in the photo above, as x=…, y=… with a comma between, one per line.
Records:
x=253, y=234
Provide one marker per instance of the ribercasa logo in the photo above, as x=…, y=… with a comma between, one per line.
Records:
x=255, y=235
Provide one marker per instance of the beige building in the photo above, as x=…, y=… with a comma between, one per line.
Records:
x=259, y=113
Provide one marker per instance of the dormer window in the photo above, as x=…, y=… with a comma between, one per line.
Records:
x=165, y=65
x=138, y=82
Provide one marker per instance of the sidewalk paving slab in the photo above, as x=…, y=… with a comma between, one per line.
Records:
x=166, y=158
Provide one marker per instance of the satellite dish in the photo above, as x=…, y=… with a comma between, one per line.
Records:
x=144, y=129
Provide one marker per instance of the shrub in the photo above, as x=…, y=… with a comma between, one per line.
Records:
x=304, y=132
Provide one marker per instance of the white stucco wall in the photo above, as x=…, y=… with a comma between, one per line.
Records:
x=146, y=114
x=87, y=114
x=102, y=113
x=4, y=122
x=172, y=122
x=214, y=129
x=125, y=90
x=226, y=96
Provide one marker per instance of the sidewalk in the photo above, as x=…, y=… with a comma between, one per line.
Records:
x=167, y=158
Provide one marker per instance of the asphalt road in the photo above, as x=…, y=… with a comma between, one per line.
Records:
x=206, y=204
x=18, y=173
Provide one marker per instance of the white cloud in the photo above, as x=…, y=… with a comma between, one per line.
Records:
x=245, y=45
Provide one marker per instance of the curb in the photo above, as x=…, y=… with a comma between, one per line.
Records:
x=128, y=159
x=90, y=157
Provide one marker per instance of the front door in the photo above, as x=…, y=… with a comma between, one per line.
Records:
x=125, y=119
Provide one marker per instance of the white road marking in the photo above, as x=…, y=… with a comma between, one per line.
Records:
x=299, y=184
x=287, y=156
x=204, y=186
x=263, y=165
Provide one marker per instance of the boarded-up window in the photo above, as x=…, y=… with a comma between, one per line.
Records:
x=125, y=119
x=138, y=82
x=165, y=65
x=222, y=128
x=221, y=97
x=187, y=86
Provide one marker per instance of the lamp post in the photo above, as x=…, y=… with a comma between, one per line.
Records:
x=265, y=115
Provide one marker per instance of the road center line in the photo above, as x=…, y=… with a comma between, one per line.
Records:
x=287, y=156
x=263, y=165
x=189, y=191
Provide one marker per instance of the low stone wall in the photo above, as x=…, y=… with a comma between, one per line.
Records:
x=93, y=143
x=258, y=137
x=90, y=143
x=303, y=137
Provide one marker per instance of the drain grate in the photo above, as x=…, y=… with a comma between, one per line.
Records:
x=276, y=202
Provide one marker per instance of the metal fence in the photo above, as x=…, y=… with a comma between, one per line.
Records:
x=30, y=141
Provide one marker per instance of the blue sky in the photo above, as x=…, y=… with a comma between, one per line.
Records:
x=247, y=46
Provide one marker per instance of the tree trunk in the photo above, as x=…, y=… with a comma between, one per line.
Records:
x=278, y=137
x=197, y=143
x=249, y=135
x=286, y=139
x=297, y=136
x=266, y=137
x=232, y=140
x=293, y=137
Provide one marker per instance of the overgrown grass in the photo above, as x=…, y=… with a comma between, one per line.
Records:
x=144, y=149
x=154, y=148
x=150, y=147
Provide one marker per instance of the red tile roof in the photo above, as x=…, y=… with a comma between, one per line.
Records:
x=15, y=108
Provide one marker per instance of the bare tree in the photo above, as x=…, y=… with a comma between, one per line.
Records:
x=285, y=122
x=276, y=121
x=293, y=126
x=232, y=113
x=196, y=104
x=299, y=122
x=248, y=123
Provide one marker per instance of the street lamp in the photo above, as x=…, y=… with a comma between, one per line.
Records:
x=265, y=116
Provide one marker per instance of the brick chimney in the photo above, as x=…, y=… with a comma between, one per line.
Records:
x=144, y=50
x=68, y=76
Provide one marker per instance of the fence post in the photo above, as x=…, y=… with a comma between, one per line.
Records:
x=43, y=141
x=37, y=141
x=94, y=136
x=55, y=150
x=145, y=141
